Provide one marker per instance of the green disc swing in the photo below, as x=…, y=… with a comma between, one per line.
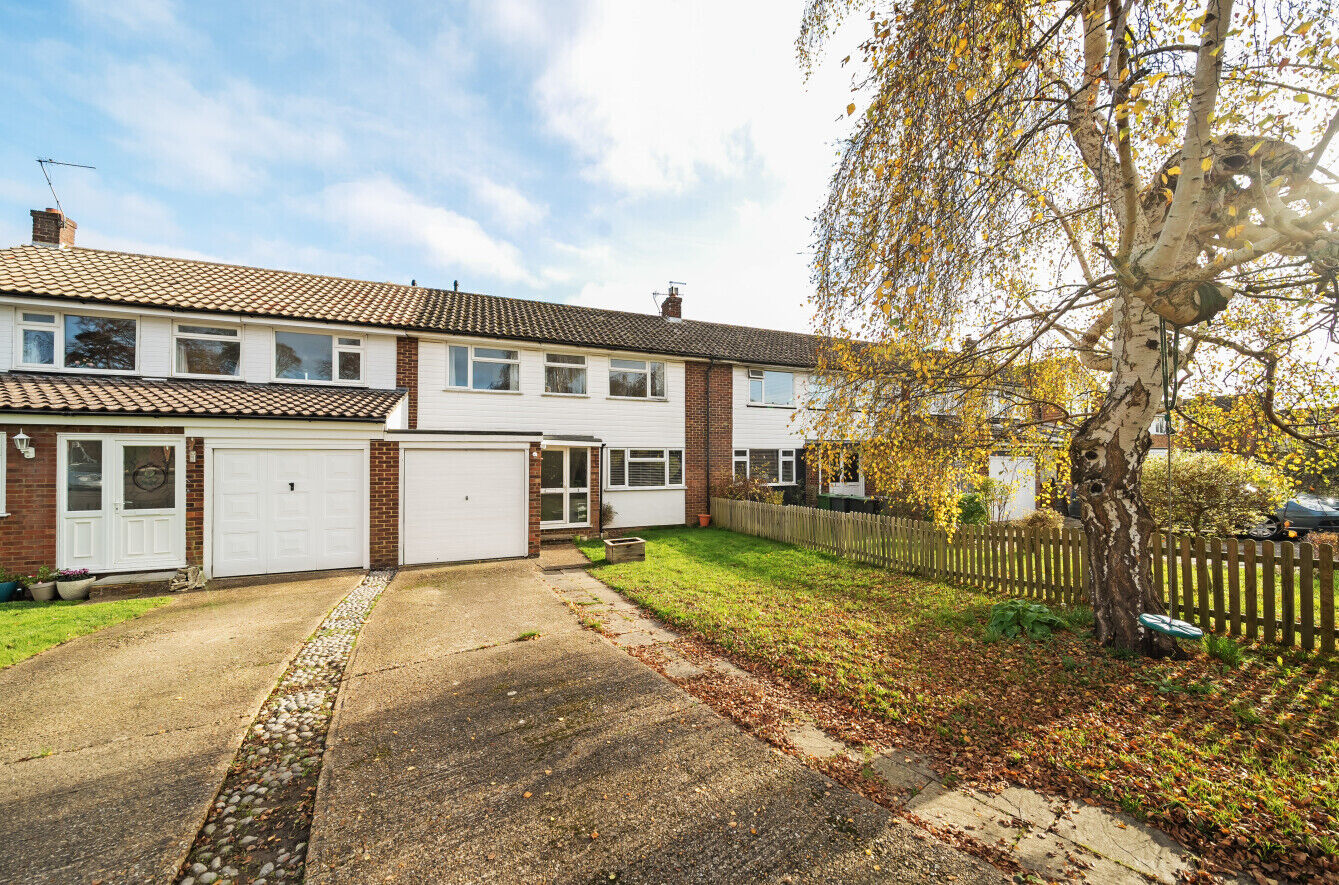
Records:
x=1168, y=625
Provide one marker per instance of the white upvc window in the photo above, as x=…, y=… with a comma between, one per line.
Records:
x=490, y=369
x=205, y=350
x=76, y=342
x=645, y=468
x=768, y=388
x=564, y=493
x=565, y=374
x=636, y=379
x=315, y=357
x=775, y=467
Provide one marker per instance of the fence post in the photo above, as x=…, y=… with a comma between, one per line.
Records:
x=1326, y=552
x=1289, y=600
x=1216, y=564
x=1306, y=593
x=1267, y=563
x=1233, y=588
x=1252, y=592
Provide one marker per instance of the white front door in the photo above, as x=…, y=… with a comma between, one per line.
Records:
x=287, y=510
x=463, y=504
x=121, y=502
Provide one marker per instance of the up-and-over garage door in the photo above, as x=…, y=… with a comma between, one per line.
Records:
x=288, y=510
x=461, y=504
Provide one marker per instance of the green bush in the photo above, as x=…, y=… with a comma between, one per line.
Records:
x=972, y=511
x=1018, y=617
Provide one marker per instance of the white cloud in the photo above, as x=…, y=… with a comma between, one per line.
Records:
x=381, y=208
x=513, y=209
x=143, y=16
x=229, y=139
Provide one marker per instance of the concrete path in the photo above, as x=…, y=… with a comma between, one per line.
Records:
x=463, y=753
x=113, y=744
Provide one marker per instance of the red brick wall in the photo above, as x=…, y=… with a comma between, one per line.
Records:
x=384, y=504
x=195, y=501
x=535, y=459
x=52, y=228
x=406, y=374
x=28, y=534
x=703, y=468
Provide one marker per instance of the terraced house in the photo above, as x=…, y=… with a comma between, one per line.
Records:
x=159, y=412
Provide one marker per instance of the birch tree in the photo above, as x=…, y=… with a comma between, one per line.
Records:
x=1039, y=199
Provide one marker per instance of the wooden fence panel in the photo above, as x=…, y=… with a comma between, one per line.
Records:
x=1276, y=592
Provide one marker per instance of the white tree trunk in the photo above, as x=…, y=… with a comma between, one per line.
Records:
x=1108, y=454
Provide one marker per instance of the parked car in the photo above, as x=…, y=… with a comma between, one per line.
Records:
x=1303, y=515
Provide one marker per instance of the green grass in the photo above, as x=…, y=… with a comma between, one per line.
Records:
x=1248, y=749
x=27, y=628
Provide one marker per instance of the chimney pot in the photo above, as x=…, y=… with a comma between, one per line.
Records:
x=52, y=228
x=672, y=307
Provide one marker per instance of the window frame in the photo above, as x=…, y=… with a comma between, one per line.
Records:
x=665, y=458
x=760, y=375
x=177, y=334
x=57, y=330
x=566, y=489
x=584, y=365
x=646, y=370
x=470, y=359
x=783, y=457
x=336, y=348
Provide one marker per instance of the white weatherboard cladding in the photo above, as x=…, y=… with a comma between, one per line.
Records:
x=287, y=509
x=1020, y=474
x=6, y=337
x=154, y=347
x=646, y=507
x=618, y=423
x=766, y=427
x=461, y=504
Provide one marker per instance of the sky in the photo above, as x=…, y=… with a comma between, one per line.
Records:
x=584, y=151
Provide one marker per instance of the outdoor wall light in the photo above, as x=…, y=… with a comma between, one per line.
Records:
x=24, y=444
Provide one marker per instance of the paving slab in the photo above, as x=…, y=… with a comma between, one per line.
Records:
x=903, y=771
x=564, y=759
x=954, y=808
x=113, y=744
x=813, y=741
x=1126, y=841
x=678, y=667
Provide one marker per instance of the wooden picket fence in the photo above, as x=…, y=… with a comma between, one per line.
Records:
x=1278, y=592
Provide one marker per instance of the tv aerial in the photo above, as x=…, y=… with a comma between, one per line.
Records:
x=44, y=163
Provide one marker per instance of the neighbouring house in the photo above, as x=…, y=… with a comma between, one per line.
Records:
x=161, y=412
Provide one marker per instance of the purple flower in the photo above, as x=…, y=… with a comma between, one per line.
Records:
x=72, y=574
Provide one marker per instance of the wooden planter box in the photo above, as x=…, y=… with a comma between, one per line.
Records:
x=625, y=550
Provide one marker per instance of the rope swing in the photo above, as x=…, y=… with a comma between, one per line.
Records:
x=1168, y=625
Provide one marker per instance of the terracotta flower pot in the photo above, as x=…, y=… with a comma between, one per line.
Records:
x=704, y=519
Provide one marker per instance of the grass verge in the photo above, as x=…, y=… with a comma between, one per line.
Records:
x=27, y=628
x=1240, y=762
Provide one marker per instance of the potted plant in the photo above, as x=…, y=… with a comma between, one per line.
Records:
x=8, y=584
x=42, y=585
x=704, y=519
x=73, y=583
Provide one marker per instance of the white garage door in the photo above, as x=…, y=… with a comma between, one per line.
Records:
x=463, y=504
x=288, y=510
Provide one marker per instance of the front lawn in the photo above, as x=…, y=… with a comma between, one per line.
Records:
x=27, y=628
x=1239, y=762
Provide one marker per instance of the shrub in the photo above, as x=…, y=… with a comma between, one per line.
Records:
x=1018, y=617
x=994, y=495
x=1045, y=518
x=972, y=510
x=1331, y=538
x=1213, y=493
x=747, y=490
x=1223, y=649
x=607, y=514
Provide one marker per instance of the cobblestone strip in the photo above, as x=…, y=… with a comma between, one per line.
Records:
x=257, y=829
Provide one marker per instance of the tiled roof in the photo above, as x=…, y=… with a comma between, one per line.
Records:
x=94, y=275
x=41, y=392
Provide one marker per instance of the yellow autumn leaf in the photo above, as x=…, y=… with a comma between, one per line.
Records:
x=1206, y=164
x=850, y=109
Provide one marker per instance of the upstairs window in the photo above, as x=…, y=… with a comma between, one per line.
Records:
x=645, y=468
x=565, y=373
x=215, y=351
x=483, y=368
x=76, y=341
x=771, y=388
x=301, y=356
x=636, y=379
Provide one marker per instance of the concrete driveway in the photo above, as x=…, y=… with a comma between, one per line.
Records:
x=461, y=753
x=113, y=744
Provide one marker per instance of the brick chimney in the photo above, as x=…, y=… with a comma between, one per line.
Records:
x=672, y=307
x=52, y=228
